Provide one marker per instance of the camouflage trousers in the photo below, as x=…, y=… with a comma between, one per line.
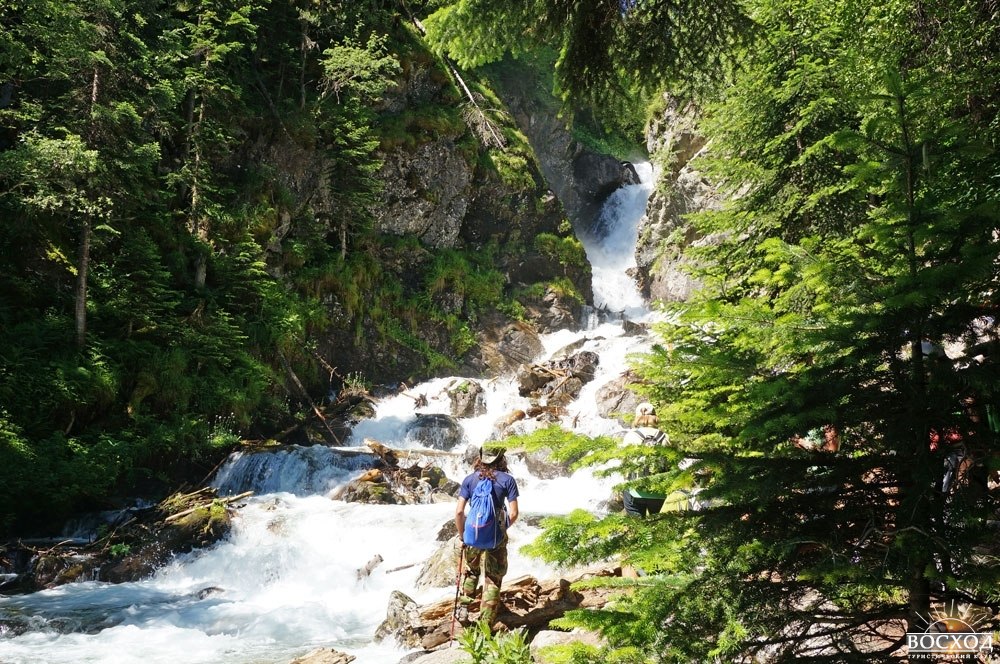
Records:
x=492, y=564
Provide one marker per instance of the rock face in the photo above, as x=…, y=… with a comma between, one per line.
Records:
x=674, y=140
x=580, y=178
x=426, y=193
x=504, y=346
x=441, y=190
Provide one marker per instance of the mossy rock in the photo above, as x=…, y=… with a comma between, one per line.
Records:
x=203, y=526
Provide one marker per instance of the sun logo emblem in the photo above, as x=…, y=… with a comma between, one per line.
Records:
x=952, y=636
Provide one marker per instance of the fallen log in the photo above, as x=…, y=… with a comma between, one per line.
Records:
x=524, y=602
x=190, y=510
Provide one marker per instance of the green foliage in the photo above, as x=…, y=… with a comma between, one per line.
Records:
x=600, y=44
x=567, y=251
x=572, y=653
x=173, y=142
x=564, y=446
x=488, y=648
x=862, y=223
x=512, y=169
x=360, y=71
x=416, y=125
x=467, y=277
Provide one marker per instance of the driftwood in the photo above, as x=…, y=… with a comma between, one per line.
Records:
x=324, y=656
x=386, y=454
x=366, y=571
x=524, y=602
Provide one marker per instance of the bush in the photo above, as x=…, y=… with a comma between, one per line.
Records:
x=488, y=648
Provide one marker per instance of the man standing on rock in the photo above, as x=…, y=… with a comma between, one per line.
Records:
x=490, y=558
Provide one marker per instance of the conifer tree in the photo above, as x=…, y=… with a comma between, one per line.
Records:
x=845, y=330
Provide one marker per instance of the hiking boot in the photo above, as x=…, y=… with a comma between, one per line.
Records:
x=462, y=615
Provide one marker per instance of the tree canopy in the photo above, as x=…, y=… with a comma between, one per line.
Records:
x=848, y=293
x=187, y=192
x=605, y=47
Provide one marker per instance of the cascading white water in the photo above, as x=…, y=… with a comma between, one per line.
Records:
x=285, y=580
x=610, y=245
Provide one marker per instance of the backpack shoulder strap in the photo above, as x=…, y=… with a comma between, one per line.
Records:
x=654, y=438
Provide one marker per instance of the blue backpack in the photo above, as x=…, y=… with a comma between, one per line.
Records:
x=482, y=529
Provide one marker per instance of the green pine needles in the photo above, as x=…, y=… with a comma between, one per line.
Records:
x=844, y=333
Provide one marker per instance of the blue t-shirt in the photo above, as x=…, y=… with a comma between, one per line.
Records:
x=504, y=486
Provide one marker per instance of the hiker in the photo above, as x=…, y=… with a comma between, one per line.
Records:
x=644, y=431
x=484, y=536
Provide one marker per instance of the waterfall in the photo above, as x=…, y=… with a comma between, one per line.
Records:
x=284, y=581
x=610, y=246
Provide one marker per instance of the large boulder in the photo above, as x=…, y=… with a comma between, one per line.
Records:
x=617, y=399
x=203, y=525
x=468, y=399
x=541, y=464
x=554, y=311
x=557, y=382
x=401, y=614
x=504, y=346
x=439, y=570
x=372, y=488
x=436, y=431
x=131, y=551
x=503, y=424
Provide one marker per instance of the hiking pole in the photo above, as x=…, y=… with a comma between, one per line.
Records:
x=458, y=585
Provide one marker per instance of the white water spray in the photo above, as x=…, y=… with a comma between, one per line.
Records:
x=610, y=247
x=285, y=581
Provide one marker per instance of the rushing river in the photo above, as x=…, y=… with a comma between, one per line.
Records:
x=285, y=581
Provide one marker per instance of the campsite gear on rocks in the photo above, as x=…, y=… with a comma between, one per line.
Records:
x=639, y=502
x=484, y=533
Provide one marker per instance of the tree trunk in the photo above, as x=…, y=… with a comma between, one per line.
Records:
x=83, y=265
x=303, y=51
x=83, y=261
